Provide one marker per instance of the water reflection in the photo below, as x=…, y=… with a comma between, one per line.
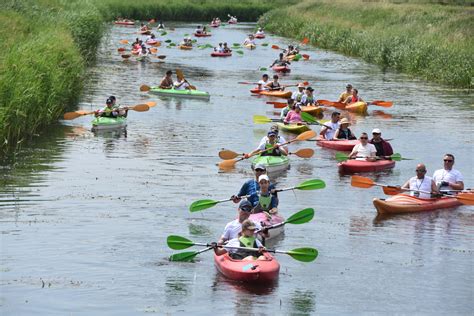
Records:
x=303, y=302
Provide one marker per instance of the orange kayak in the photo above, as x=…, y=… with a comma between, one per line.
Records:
x=313, y=110
x=278, y=94
x=185, y=47
x=357, y=107
x=403, y=203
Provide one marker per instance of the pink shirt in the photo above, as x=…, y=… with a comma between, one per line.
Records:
x=293, y=117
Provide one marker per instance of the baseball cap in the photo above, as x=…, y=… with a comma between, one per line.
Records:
x=263, y=177
x=376, y=131
x=245, y=206
x=248, y=224
x=271, y=133
x=310, y=89
x=260, y=166
x=109, y=101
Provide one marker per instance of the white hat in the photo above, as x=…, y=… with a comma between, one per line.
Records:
x=263, y=177
x=376, y=131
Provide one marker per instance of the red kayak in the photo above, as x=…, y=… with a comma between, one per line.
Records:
x=265, y=219
x=281, y=69
x=341, y=145
x=202, y=34
x=217, y=54
x=403, y=203
x=354, y=166
x=259, y=272
x=215, y=24
x=259, y=36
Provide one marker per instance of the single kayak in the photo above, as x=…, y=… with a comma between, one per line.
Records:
x=277, y=94
x=341, y=145
x=281, y=68
x=250, y=46
x=181, y=93
x=403, y=203
x=215, y=24
x=258, y=272
x=151, y=42
x=217, y=54
x=185, y=47
x=273, y=163
x=103, y=123
x=357, y=107
x=353, y=166
x=293, y=128
x=124, y=22
x=232, y=21
x=260, y=36
x=202, y=34
x=266, y=219
x=313, y=110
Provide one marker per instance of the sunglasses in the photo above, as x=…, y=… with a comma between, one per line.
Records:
x=246, y=209
x=364, y=138
x=260, y=170
x=375, y=133
x=420, y=170
x=448, y=160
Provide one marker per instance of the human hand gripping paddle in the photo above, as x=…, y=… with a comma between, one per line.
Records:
x=76, y=114
x=363, y=182
x=226, y=164
x=395, y=157
x=178, y=243
x=302, y=153
x=313, y=184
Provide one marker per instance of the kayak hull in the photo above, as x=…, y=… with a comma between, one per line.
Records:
x=340, y=145
x=215, y=25
x=357, y=107
x=202, y=35
x=124, y=22
x=185, y=47
x=281, y=69
x=354, y=166
x=313, y=110
x=232, y=22
x=403, y=203
x=257, y=272
x=266, y=219
x=181, y=93
x=260, y=36
x=272, y=163
x=217, y=54
x=145, y=32
x=293, y=128
x=250, y=46
x=107, y=123
x=277, y=94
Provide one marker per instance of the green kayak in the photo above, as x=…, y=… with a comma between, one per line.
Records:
x=293, y=128
x=101, y=123
x=273, y=163
x=181, y=93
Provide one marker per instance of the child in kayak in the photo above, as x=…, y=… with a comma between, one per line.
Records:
x=294, y=116
x=343, y=132
x=267, y=202
x=251, y=187
x=108, y=110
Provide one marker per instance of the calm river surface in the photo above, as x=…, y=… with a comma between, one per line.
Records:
x=84, y=218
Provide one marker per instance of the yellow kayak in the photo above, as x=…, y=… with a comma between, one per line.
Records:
x=357, y=107
x=250, y=46
x=185, y=47
x=293, y=128
x=313, y=110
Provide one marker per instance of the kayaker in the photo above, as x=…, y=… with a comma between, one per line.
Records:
x=219, y=48
x=287, y=109
x=151, y=37
x=329, y=128
x=218, y=20
x=274, y=85
x=198, y=30
x=271, y=143
x=144, y=27
x=294, y=116
x=448, y=179
x=121, y=111
x=421, y=182
x=384, y=149
x=234, y=228
x=267, y=202
x=354, y=97
x=108, y=110
x=226, y=49
x=275, y=129
x=364, y=150
x=297, y=95
x=204, y=30
x=161, y=26
x=280, y=61
x=260, y=31
x=232, y=19
x=167, y=81
x=251, y=187
x=181, y=85
x=308, y=97
x=262, y=84
x=343, y=132
x=343, y=97
x=250, y=40
x=187, y=42
x=247, y=239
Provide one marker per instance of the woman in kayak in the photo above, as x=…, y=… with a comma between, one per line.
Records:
x=280, y=61
x=294, y=116
x=274, y=85
x=308, y=97
x=250, y=40
x=267, y=202
x=364, y=150
x=343, y=132
x=354, y=97
x=421, y=183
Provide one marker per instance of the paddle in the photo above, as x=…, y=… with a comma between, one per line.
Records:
x=153, y=50
x=246, y=82
x=275, y=47
x=207, y=203
x=302, y=153
x=76, y=114
x=303, y=136
x=124, y=42
x=277, y=105
x=300, y=217
x=305, y=56
x=311, y=120
x=338, y=105
x=385, y=104
x=121, y=49
x=395, y=157
x=313, y=184
x=180, y=75
x=363, y=182
x=126, y=56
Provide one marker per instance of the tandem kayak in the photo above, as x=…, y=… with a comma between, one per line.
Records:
x=277, y=94
x=259, y=272
x=181, y=93
x=124, y=22
x=273, y=163
x=103, y=123
x=260, y=36
x=215, y=24
x=313, y=110
x=250, y=46
x=403, y=203
x=293, y=128
x=202, y=34
x=217, y=54
x=185, y=47
x=266, y=219
x=353, y=166
x=341, y=145
x=357, y=107
x=281, y=68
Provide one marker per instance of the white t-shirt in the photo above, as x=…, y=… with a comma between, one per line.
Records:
x=422, y=185
x=364, y=151
x=263, y=83
x=330, y=132
x=265, y=139
x=236, y=243
x=232, y=229
x=448, y=176
x=182, y=87
x=295, y=95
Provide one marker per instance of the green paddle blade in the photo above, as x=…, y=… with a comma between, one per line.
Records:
x=239, y=52
x=311, y=185
x=168, y=41
x=235, y=44
x=341, y=157
x=164, y=33
x=202, y=205
x=184, y=256
x=301, y=217
x=172, y=44
x=396, y=157
x=308, y=117
x=303, y=254
x=186, y=34
x=264, y=44
x=178, y=242
x=263, y=69
x=260, y=119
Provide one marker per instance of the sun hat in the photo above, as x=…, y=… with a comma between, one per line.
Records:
x=344, y=121
x=376, y=131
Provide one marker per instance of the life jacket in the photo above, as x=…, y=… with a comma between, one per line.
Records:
x=273, y=152
x=247, y=242
x=265, y=202
x=274, y=85
x=298, y=97
x=354, y=99
x=344, y=134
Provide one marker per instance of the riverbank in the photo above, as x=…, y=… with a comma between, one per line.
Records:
x=430, y=41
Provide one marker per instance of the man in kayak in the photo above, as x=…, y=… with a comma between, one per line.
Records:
x=251, y=187
x=286, y=109
x=354, y=97
x=298, y=95
x=267, y=202
x=364, y=150
x=260, y=31
x=448, y=179
x=272, y=147
x=233, y=228
x=226, y=49
x=219, y=48
x=421, y=182
x=343, y=97
x=274, y=85
x=343, y=132
x=167, y=81
x=198, y=30
x=294, y=116
x=329, y=128
x=384, y=149
x=262, y=83
x=108, y=110
x=280, y=61
x=276, y=130
x=250, y=40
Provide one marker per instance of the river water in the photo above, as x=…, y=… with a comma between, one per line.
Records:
x=84, y=217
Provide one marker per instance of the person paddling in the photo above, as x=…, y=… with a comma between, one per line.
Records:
x=275, y=84
x=298, y=95
x=343, y=97
x=167, y=81
x=260, y=31
x=329, y=128
x=384, y=149
x=250, y=40
x=276, y=130
x=448, y=179
x=272, y=142
x=198, y=30
x=363, y=150
x=280, y=61
x=285, y=110
x=262, y=83
x=354, y=97
x=421, y=182
x=308, y=97
x=343, y=132
x=294, y=116
x=266, y=201
x=108, y=110
x=251, y=187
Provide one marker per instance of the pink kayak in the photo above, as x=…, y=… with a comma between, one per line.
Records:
x=354, y=166
x=260, y=36
x=254, y=271
x=215, y=24
x=341, y=145
x=281, y=69
x=266, y=219
x=217, y=54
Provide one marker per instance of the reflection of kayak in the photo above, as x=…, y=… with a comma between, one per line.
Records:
x=293, y=128
x=250, y=46
x=217, y=54
x=273, y=163
x=313, y=110
x=278, y=94
x=124, y=22
x=185, y=47
x=357, y=107
x=258, y=272
x=180, y=93
x=341, y=145
x=266, y=219
x=281, y=68
x=403, y=203
x=202, y=34
x=260, y=36
x=143, y=58
x=145, y=32
x=353, y=166
x=101, y=123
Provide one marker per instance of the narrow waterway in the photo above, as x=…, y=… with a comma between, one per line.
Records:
x=84, y=217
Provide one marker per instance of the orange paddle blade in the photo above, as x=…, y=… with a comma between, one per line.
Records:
x=228, y=154
x=305, y=41
x=227, y=164
x=153, y=50
x=361, y=182
x=466, y=198
x=386, y=104
x=151, y=104
x=391, y=190
x=121, y=49
x=306, y=135
x=304, y=153
x=123, y=42
x=144, y=88
x=325, y=102
x=140, y=107
x=275, y=47
x=305, y=56
x=277, y=105
x=157, y=44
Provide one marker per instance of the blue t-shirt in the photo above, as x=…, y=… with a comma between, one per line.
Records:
x=251, y=187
